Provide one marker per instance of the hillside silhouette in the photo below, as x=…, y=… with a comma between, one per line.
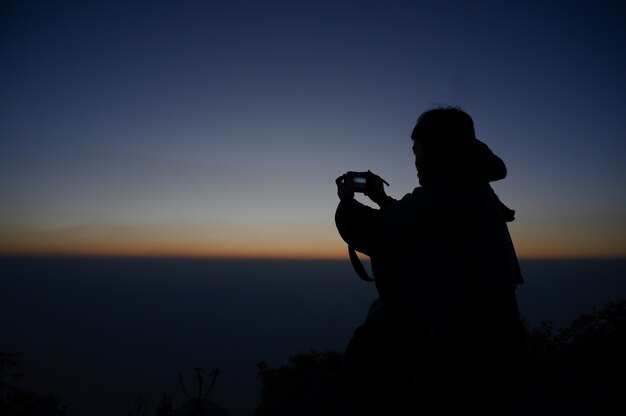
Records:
x=574, y=370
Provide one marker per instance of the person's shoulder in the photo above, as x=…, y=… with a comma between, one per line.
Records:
x=419, y=199
x=413, y=196
x=424, y=191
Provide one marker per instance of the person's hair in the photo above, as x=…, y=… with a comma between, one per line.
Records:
x=443, y=126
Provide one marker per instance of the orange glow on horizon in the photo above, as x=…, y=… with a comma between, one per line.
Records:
x=336, y=251
x=160, y=248
x=321, y=244
x=191, y=254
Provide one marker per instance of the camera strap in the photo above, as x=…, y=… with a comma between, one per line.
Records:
x=358, y=266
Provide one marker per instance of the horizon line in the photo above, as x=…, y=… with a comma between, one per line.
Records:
x=233, y=257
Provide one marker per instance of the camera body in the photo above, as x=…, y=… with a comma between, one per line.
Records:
x=359, y=180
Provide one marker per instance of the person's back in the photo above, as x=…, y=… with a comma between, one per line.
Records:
x=447, y=267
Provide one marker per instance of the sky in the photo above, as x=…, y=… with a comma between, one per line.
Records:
x=217, y=128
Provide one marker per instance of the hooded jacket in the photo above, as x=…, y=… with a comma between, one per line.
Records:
x=444, y=249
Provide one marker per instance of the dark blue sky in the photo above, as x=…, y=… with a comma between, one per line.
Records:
x=218, y=127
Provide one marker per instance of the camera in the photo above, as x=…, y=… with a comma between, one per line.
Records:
x=359, y=181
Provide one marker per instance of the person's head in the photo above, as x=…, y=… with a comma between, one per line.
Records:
x=445, y=146
x=443, y=127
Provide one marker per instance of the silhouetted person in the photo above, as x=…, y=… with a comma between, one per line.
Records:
x=445, y=334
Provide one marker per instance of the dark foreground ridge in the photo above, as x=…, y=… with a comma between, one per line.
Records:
x=575, y=370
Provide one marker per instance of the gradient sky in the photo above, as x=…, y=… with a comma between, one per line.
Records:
x=218, y=127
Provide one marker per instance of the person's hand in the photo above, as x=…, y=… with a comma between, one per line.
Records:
x=376, y=188
x=345, y=191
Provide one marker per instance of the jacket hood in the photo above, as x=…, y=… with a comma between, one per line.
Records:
x=470, y=161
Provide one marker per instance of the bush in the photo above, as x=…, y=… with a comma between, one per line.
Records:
x=305, y=386
x=15, y=401
x=580, y=367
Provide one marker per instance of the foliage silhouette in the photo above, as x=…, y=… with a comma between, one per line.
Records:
x=164, y=407
x=137, y=408
x=580, y=368
x=15, y=401
x=200, y=405
x=305, y=386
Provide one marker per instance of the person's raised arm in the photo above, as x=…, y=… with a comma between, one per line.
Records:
x=376, y=190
